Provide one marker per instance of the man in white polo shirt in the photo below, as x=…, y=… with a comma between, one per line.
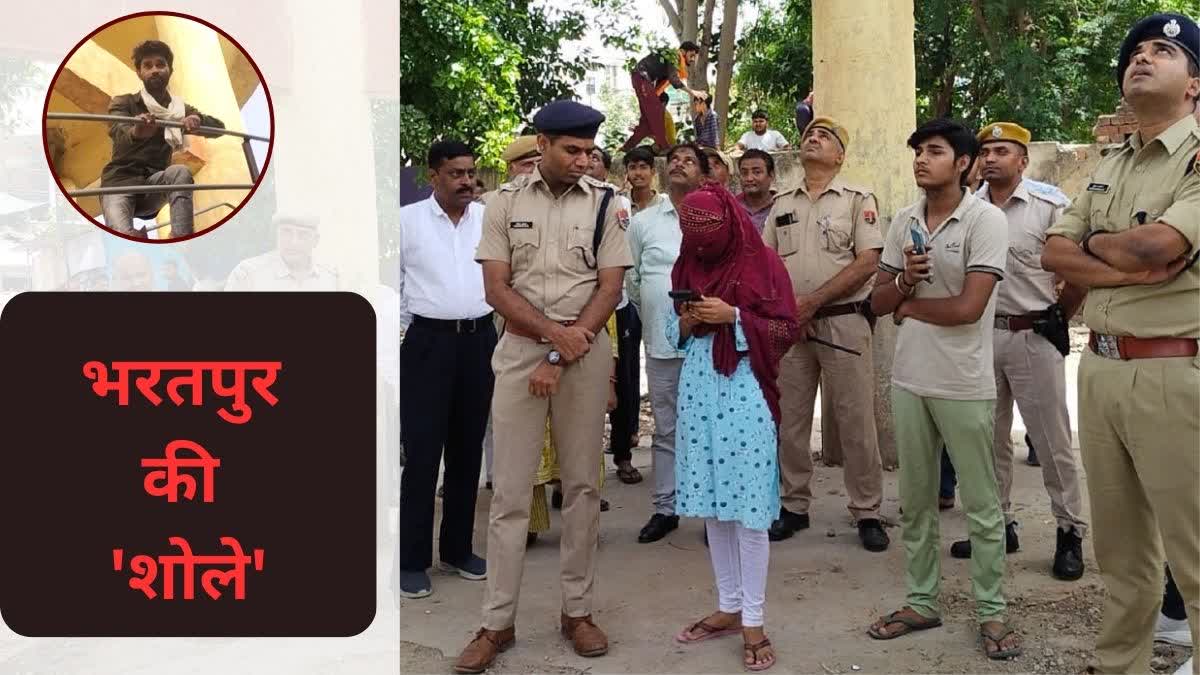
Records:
x=760, y=137
x=446, y=359
x=941, y=290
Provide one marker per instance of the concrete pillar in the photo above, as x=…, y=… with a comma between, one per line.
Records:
x=200, y=76
x=864, y=73
x=326, y=167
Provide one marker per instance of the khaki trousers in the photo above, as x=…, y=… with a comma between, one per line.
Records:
x=1139, y=434
x=850, y=382
x=577, y=427
x=1031, y=372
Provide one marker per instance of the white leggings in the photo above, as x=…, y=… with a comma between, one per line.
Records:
x=740, y=557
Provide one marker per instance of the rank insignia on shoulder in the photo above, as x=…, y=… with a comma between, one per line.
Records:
x=521, y=225
x=623, y=219
x=1097, y=187
x=869, y=216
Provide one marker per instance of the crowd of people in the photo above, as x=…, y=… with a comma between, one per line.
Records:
x=525, y=306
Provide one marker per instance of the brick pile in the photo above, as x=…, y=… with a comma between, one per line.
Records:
x=1116, y=128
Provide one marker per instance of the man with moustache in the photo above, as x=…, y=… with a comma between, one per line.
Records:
x=1132, y=239
x=446, y=356
x=1030, y=345
x=757, y=171
x=554, y=254
x=291, y=266
x=141, y=153
x=654, y=239
x=827, y=233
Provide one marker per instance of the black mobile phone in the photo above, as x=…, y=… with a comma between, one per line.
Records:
x=684, y=296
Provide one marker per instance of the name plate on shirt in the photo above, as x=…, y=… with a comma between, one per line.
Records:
x=521, y=225
x=1097, y=187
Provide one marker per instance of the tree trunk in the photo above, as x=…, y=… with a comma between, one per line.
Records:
x=698, y=75
x=672, y=16
x=725, y=66
x=687, y=17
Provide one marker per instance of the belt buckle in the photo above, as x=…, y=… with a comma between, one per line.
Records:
x=1002, y=322
x=464, y=326
x=1108, y=347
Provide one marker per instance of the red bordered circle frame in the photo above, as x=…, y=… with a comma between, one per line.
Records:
x=270, y=113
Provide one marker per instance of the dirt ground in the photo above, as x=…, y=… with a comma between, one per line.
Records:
x=823, y=591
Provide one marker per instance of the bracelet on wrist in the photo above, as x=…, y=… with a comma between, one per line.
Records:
x=900, y=284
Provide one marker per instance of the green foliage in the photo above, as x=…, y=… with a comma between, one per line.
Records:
x=477, y=69
x=621, y=113
x=774, y=69
x=1046, y=64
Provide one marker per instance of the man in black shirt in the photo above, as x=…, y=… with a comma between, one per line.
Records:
x=142, y=152
x=650, y=78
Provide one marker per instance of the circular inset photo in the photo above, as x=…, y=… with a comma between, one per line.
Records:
x=158, y=127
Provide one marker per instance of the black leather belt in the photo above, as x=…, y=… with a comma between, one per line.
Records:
x=454, y=325
x=838, y=310
x=1015, y=322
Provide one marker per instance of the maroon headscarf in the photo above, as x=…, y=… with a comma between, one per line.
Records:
x=723, y=256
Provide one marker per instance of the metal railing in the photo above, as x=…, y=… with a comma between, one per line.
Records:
x=251, y=164
x=152, y=189
x=89, y=117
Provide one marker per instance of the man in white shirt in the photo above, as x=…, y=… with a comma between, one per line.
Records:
x=446, y=359
x=760, y=137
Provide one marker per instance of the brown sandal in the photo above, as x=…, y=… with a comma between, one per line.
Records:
x=710, y=632
x=630, y=476
x=879, y=629
x=754, y=649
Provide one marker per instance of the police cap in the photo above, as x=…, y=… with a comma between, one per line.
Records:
x=1175, y=28
x=568, y=118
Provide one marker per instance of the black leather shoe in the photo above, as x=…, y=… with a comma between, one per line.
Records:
x=962, y=549
x=1068, y=555
x=874, y=539
x=787, y=524
x=1032, y=459
x=657, y=528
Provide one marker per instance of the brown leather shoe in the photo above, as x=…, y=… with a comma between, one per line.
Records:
x=587, y=639
x=481, y=652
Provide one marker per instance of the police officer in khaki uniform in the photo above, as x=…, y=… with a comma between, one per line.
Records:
x=1131, y=238
x=290, y=267
x=827, y=233
x=556, y=286
x=1030, y=369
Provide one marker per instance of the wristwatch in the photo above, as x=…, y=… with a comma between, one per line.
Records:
x=554, y=358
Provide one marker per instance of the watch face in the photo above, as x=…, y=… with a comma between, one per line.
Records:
x=553, y=357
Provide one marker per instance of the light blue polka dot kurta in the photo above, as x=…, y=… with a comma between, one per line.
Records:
x=725, y=440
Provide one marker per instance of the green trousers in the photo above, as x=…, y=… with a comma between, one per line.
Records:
x=922, y=425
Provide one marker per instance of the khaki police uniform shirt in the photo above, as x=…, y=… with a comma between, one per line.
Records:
x=547, y=241
x=268, y=272
x=1027, y=287
x=952, y=362
x=1160, y=179
x=819, y=238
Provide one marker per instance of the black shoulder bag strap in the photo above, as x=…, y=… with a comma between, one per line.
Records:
x=598, y=236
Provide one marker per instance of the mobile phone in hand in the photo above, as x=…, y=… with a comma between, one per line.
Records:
x=685, y=296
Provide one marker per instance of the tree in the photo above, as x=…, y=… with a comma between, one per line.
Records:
x=477, y=69
x=1046, y=64
x=725, y=66
x=621, y=113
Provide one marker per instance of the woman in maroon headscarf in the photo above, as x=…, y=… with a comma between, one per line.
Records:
x=726, y=435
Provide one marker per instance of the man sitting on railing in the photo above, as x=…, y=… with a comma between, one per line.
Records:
x=141, y=153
